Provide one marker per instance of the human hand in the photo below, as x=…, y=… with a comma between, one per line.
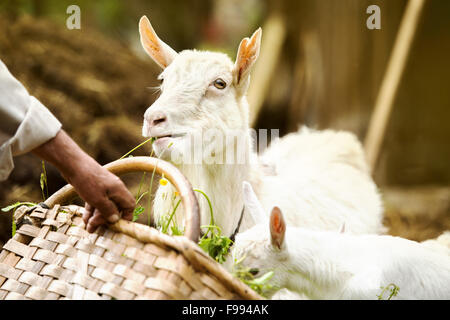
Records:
x=105, y=194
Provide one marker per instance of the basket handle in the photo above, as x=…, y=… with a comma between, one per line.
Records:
x=137, y=164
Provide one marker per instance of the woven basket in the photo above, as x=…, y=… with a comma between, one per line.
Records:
x=52, y=256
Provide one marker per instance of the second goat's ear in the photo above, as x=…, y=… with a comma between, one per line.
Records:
x=277, y=228
x=247, y=54
x=252, y=204
x=160, y=52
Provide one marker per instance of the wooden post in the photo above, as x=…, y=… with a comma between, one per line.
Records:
x=391, y=80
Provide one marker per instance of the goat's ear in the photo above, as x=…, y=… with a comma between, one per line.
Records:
x=247, y=54
x=342, y=229
x=160, y=52
x=277, y=228
x=252, y=204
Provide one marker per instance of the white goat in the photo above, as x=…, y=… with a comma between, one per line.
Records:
x=440, y=244
x=322, y=175
x=335, y=265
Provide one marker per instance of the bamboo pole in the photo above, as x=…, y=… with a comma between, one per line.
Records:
x=391, y=80
x=274, y=33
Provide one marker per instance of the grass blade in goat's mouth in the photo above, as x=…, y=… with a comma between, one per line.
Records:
x=175, y=135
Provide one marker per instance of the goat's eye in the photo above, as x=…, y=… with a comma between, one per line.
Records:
x=254, y=271
x=219, y=84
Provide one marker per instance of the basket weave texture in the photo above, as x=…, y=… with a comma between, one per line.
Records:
x=52, y=256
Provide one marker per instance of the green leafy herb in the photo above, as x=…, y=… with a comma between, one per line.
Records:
x=17, y=204
x=14, y=206
x=212, y=242
x=176, y=231
x=245, y=274
x=260, y=284
x=137, y=212
x=393, y=291
x=217, y=246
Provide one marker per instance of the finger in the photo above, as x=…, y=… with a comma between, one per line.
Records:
x=96, y=220
x=127, y=214
x=124, y=201
x=108, y=209
x=88, y=212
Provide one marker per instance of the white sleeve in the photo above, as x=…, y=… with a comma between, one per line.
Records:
x=25, y=123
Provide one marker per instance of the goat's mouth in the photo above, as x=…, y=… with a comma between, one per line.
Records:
x=162, y=138
x=174, y=135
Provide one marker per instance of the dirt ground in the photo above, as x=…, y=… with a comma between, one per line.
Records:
x=95, y=86
x=417, y=213
x=98, y=89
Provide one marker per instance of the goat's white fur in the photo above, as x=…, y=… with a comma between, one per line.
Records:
x=321, y=181
x=440, y=244
x=285, y=294
x=320, y=174
x=333, y=265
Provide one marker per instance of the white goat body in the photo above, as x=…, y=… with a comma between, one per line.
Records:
x=321, y=180
x=334, y=265
x=440, y=244
x=319, y=177
x=321, y=174
x=285, y=294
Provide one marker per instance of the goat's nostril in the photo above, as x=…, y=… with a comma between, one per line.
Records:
x=157, y=119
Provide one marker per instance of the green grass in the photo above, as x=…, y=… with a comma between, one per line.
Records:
x=43, y=182
x=137, y=147
x=165, y=225
x=393, y=291
x=44, y=191
x=139, y=209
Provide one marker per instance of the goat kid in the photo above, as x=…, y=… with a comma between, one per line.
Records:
x=337, y=265
x=322, y=174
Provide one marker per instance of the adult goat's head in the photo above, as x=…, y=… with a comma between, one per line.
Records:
x=200, y=91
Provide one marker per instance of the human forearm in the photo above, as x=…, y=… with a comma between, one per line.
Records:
x=105, y=194
x=63, y=153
